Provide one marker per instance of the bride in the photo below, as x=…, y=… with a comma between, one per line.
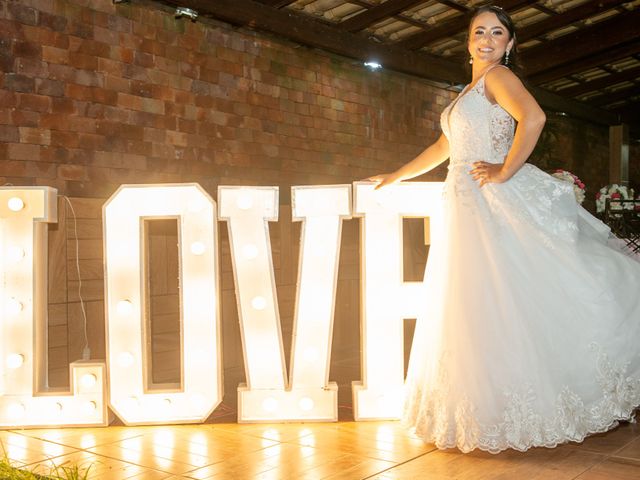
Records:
x=530, y=333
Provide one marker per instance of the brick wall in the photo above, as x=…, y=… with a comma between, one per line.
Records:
x=95, y=94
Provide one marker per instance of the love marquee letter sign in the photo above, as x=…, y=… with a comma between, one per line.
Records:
x=270, y=394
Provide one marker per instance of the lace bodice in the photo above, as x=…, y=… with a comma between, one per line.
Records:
x=476, y=128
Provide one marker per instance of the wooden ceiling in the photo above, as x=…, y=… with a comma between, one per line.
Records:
x=581, y=57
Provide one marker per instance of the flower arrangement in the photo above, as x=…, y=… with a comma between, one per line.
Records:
x=578, y=186
x=614, y=192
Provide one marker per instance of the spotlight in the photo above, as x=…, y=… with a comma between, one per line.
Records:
x=372, y=65
x=186, y=12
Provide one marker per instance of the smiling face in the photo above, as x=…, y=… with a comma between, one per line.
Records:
x=489, y=39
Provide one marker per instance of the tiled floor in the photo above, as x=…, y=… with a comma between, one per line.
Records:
x=224, y=449
x=348, y=450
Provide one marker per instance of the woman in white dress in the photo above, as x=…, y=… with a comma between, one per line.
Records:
x=530, y=334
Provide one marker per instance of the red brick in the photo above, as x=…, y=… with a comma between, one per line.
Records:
x=25, y=118
x=27, y=49
x=31, y=67
x=8, y=99
x=52, y=22
x=36, y=103
x=9, y=133
x=83, y=61
x=55, y=55
x=19, y=83
x=22, y=14
x=72, y=172
x=51, y=88
x=36, y=136
x=22, y=151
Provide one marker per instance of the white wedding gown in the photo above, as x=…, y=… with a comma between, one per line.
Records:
x=531, y=330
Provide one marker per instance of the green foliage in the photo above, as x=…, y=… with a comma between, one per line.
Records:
x=56, y=472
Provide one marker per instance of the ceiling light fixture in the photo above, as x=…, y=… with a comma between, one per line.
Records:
x=186, y=12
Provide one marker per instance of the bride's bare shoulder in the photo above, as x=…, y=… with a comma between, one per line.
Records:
x=501, y=79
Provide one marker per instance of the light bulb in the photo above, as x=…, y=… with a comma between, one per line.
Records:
x=125, y=359
x=249, y=252
x=269, y=404
x=15, y=360
x=88, y=380
x=198, y=248
x=15, y=204
x=258, y=303
x=306, y=404
x=124, y=307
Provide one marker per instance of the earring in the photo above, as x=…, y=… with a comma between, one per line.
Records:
x=506, y=58
x=470, y=60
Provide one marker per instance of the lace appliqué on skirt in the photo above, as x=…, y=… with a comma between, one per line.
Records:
x=454, y=425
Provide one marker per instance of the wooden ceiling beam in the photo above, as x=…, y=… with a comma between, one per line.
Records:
x=277, y=3
x=600, y=83
x=454, y=26
x=607, y=98
x=454, y=5
x=307, y=31
x=381, y=11
x=594, y=60
x=568, y=17
x=552, y=101
x=583, y=43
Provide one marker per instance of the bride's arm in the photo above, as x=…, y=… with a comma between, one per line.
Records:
x=508, y=91
x=430, y=158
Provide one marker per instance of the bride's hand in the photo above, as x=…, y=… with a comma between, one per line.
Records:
x=383, y=179
x=485, y=172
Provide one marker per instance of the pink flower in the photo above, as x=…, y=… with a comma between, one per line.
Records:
x=615, y=195
x=598, y=195
x=581, y=185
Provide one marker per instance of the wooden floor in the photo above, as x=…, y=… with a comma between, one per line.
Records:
x=224, y=449
x=347, y=450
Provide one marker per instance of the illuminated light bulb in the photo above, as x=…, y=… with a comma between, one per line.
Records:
x=249, y=252
x=15, y=204
x=125, y=359
x=269, y=404
x=124, y=307
x=15, y=254
x=310, y=354
x=306, y=404
x=14, y=306
x=245, y=202
x=15, y=360
x=16, y=411
x=258, y=303
x=89, y=407
x=198, y=248
x=88, y=380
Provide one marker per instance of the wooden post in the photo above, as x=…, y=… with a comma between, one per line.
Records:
x=619, y=154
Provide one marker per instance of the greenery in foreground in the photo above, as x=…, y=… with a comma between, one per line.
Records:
x=62, y=472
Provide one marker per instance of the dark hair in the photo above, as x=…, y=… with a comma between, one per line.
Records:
x=505, y=20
